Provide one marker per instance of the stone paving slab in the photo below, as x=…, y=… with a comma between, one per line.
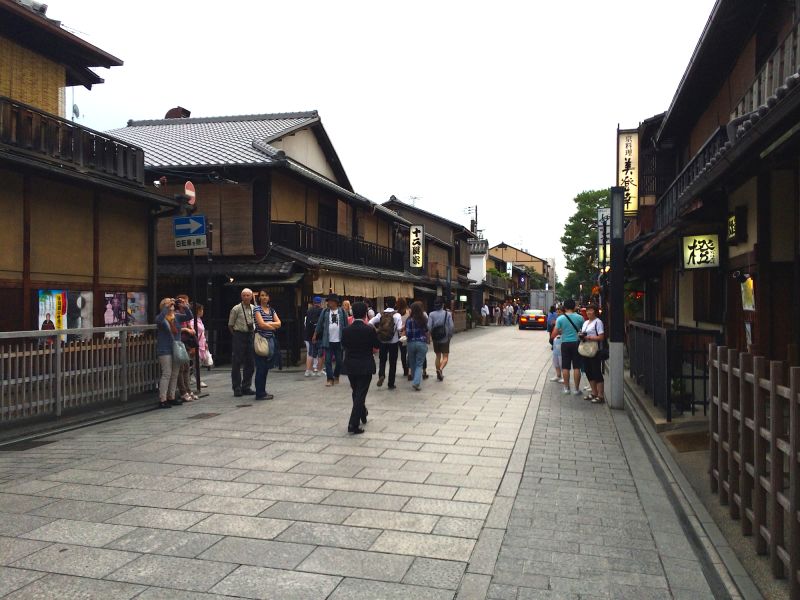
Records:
x=486, y=485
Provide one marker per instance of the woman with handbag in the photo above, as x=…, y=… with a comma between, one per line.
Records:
x=171, y=351
x=267, y=321
x=592, y=336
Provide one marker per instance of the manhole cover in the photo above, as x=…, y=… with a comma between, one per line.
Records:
x=243, y=405
x=204, y=416
x=25, y=445
x=511, y=391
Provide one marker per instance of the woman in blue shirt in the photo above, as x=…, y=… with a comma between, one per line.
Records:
x=418, y=338
x=267, y=321
x=168, y=331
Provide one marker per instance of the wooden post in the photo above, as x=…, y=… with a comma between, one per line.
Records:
x=746, y=440
x=713, y=417
x=760, y=454
x=733, y=435
x=794, y=481
x=776, y=428
x=722, y=391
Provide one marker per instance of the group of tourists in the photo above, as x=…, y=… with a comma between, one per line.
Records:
x=342, y=337
x=177, y=342
x=506, y=313
x=578, y=346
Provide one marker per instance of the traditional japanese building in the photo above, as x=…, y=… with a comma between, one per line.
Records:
x=77, y=219
x=284, y=214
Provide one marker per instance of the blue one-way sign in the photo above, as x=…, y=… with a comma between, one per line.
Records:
x=190, y=232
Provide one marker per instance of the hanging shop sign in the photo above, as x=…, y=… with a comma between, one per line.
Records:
x=509, y=268
x=603, y=236
x=416, y=246
x=737, y=226
x=700, y=251
x=628, y=168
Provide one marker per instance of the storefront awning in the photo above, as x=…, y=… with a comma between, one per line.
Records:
x=265, y=282
x=425, y=290
x=356, y=287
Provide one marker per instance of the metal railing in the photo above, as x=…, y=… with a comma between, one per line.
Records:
x=782, y=63
x=304, y=238
x=32, y=132
x=670, y=364
x=754, y=424
x=46, y=374
x=673, y=201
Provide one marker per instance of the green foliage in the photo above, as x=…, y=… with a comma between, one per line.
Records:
x=571, y=286
x=493, y=271
x=579, y=241
x=537, y=280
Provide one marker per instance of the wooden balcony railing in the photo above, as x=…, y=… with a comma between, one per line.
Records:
x=782, y=63
x=28, y=131
x=304, y=238
x=671, y=204
x=496, y=281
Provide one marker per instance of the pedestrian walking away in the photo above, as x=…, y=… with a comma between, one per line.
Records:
x=312, y=347
x=485, y=314
x=593, y=331
x=241, y=325
x=418, y=339
x=555, y=343
x=402, y=309
x=168, y=349
x=442, y=328
x=358, y=341
x=329, y=335
x=206, y=360
x=267, y=322
x=389, y=325
x=568, y=326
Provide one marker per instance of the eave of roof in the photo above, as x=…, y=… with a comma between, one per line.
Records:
x=728, y=28
x=46, y=37
x=408, y=207
x=312, y=114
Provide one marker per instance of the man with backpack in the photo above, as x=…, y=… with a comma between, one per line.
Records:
x=388, y=325
x=312, y=348
x=328, y=332
x=441, y=326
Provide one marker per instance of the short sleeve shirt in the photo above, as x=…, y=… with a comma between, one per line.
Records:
x=593, y=328
x=568, y=332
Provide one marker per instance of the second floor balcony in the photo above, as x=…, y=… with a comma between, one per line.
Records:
x=319, y=242
x=31, y=133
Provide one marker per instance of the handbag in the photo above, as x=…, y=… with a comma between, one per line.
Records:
x=261, y=345
x=587, y=349
x=208, y=361
x=179, y=353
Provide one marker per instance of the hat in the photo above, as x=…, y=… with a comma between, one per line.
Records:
x=317, y=299
x=332, y=297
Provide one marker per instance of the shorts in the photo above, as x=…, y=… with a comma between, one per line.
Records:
x=441, y=347
x=594, y=369
x=570, y=359
x=312, y=349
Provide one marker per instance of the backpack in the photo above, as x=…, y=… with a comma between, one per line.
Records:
x=386, y=327
x=439, y=332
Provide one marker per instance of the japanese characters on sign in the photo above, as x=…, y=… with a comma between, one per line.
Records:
x=417, y=246
x=603, y=236
x=700, y=251
x=628, y=168
x=737, y=226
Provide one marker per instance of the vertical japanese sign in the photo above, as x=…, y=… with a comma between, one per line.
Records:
x=628, y=168
x=603, y=236
x=700, y=251
x=509, y=268
x=417, y=246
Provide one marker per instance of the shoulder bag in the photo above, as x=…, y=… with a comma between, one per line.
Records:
x=179, y=353
x=587, y=349
x=261, y=344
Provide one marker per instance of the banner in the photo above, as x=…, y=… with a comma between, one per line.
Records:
x=628, y=168
x=416, y=246
x=700, y=251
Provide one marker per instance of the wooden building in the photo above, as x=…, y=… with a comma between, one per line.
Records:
x=75, y=215
x=284, y=214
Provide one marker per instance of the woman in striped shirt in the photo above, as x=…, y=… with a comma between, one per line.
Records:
x=267, y=321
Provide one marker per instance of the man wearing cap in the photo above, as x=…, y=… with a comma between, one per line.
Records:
x=312, y=348
x=241, y=324
x=329, y=333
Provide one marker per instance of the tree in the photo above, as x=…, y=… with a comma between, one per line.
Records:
x=579, y=241
x=537, y=280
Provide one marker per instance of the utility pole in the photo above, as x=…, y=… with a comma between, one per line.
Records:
x=617, y=284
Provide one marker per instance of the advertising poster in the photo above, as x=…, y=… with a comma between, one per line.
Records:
x=63, y=309
x=116, y=312
x=79, y=310
x=137, y=308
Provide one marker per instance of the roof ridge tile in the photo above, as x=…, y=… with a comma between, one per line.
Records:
x=312, y=114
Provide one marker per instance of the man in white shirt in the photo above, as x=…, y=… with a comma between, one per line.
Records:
x=484, y=314
x=388, y=323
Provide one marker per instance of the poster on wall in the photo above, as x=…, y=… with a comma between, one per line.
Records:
x=64, y=309
x=748, y=295
x=137, y=308
x=116, y=313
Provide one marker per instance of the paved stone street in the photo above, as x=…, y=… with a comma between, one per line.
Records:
x=489, y=484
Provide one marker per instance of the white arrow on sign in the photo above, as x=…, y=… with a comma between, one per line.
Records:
x=192, y=226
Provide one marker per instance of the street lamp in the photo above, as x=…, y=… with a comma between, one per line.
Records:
x=617, y=324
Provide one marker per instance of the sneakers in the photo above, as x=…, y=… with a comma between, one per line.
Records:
x=554, y=378
x=416, y=387
x=307, y=373
x=317, y=373
x=203, y=384
x=566, y=391
x=577, y=392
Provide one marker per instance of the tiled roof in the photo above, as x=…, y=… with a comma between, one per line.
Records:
x=365, y=271
x=269, y=266
x=478, y=246
x=210, y=141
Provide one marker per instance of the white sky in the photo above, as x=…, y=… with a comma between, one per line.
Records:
x=512, y=106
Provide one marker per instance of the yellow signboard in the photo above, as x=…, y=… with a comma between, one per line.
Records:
x=700, y=251
x=417, y=246
x=628, y=168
